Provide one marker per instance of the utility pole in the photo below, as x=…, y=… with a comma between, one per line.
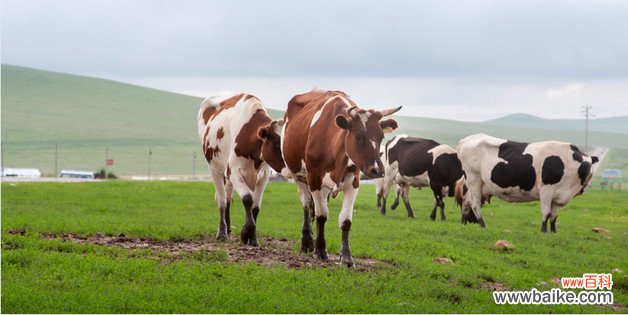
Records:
x=586, y=111
x=150, y=153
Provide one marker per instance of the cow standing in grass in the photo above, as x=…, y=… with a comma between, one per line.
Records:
x=241, y=143
x=552, y=172
x=418, y=162
x=326, y=142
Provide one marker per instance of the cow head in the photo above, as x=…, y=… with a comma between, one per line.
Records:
x=271, y=146
x=585, y=171
x=463, y=199
x=365, y=132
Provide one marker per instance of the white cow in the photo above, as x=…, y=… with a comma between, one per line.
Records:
x=241, y=143
x=552, y=172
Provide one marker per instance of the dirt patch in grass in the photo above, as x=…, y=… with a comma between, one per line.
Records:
x=494, y=286
x=271, y=251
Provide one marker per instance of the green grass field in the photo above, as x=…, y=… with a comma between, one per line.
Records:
x=51, y=276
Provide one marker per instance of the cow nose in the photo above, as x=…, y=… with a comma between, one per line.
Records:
x=373, y=171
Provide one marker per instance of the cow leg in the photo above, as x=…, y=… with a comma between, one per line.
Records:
x=441, y=204
x=240, y=179
x=379, y=189
x=396, y=202
x=262, y=180
x=344, y=220
x=258, y=193
x=386, y=184
x=229, y=193
x=322, y=211
x=307, y=241
x=405, y=191
x=553, y=217
x=220, y=196
x=473, y=210
x=433, y=214
x=382, y=208
x=546, y=210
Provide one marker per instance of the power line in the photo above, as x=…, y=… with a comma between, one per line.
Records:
x=586, y=111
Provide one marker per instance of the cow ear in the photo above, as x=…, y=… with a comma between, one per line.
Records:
x=594, y=159
x=388, y=125
x=342, y=122
x=263, y=133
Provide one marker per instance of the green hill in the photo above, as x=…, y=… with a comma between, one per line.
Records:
x=613, y=125
x=84, y=116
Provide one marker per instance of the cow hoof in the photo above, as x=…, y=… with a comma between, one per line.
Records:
x=463, y=221
x=411, y=216
x=247, y=236
x=347, y=260
x=321, y=254
x=433, y=217
x=382, y=212
x=443, y=219
x=481, y=222
x=221, y=237
x=307, y=244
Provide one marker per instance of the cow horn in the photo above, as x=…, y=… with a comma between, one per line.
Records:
x=389, y=111
x=351, y=109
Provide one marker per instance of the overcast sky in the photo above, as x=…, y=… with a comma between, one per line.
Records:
x=464, y=60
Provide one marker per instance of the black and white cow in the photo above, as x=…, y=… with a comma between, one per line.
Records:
x=417, y=162
x=552, y=172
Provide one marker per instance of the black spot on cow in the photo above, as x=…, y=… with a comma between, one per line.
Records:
x=412, y=156
x=517, y=170
x=553, y=170
x=583, y=171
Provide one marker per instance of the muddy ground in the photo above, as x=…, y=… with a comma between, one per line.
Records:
x=271, y=251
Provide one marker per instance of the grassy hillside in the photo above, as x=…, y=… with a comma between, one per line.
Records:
x=84, y=116
x=610, y=125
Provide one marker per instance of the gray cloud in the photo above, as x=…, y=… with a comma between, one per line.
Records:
x=559, y=39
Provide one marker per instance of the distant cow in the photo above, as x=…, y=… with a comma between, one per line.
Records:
x=418, y=162
x=240, y=142
x=327, y=141
x=552, y=172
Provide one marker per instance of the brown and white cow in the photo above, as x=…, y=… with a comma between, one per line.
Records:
x=240, y=142
x=326, y=142
x=552, y=172
x=418, y=162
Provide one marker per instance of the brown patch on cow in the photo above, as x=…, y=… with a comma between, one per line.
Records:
x=226, y=104
x=208, y=113
x=249, y=96
x=271, y=252
x=211, y=153
x=248, y=144
x=220, y=133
